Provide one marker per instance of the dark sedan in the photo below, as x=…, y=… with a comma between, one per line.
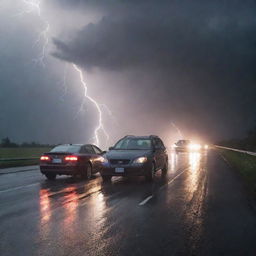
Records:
x=71, y=159
x=135, y=156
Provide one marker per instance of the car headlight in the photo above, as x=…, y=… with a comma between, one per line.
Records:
x=195, y=146
x=140, y=160
x=102, y=159
x=206, y=146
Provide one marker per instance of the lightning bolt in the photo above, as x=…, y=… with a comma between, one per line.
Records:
x=178, y=130
x=109, y=112
x=34, y=6
x=43, y=35
x=100, y=127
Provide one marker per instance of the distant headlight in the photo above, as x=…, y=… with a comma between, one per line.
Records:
x=194, y=146
x=174, y=146
x=140, y=160
x=102, y=159
x=206, y=146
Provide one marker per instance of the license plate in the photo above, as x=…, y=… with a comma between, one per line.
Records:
x=56, y=161
x=119, y=170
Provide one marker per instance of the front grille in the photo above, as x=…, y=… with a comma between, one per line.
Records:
x=119, y=161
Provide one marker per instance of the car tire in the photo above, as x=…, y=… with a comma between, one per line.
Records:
x=151, y=173
x=165, y=168
x=87, y=172
x=106, y=178
x=50, y=176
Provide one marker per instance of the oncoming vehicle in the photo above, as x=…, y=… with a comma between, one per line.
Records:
x=187, y=145
x=135, y=156
x=182, y=145
x=71, y=159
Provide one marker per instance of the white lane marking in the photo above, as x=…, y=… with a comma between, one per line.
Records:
x=177, y=176
x=17, y=188
x=145, y=200
x=169, y=182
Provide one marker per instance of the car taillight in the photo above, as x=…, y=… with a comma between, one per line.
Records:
x=44, y=158
x=71, y=158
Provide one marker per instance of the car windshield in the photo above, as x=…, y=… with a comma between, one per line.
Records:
x=133, y=143
x=183, y=142
x=67, y=148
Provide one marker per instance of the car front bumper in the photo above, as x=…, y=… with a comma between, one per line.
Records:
x=130, y=170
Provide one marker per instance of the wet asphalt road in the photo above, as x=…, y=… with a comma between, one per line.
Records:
x=199, y=208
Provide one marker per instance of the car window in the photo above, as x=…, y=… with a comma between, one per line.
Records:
x=97, y=150
x=83, y=150
x=161, y=143
x=67, y=148
x=133, y=143
x=87, y=149
x=183, y=142
x=158, y=143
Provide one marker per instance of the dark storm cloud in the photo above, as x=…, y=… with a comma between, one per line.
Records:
x=206, y=47
x=165, y=35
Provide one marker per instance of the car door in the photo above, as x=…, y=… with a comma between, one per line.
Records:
x=88, y=154
x=163, y=153
x=157, y=153
x=97, y=154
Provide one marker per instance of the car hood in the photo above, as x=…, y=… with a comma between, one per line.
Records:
x=126, y=154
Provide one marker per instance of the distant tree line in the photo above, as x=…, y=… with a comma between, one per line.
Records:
x=7, y=143
x=246, y=143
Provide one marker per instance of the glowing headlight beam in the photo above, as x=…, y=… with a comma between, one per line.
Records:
x=140, y=160
x=193, y=146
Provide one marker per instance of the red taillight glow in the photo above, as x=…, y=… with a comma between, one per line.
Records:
x=71, y=158
x=44, y=158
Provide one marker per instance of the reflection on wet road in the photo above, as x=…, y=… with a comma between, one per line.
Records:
x=128, y=216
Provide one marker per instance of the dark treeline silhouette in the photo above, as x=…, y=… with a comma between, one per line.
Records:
x=247, y=143
x=7, y=143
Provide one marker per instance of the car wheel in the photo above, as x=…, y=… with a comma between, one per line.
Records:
x=151, y=173
x=87, y=172
x=50, y=176
x=165, y=168
x=106, y=178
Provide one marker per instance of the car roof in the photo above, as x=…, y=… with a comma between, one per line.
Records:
x=141, y=137
x=73, y=145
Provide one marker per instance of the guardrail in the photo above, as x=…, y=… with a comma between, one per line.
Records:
x=238, y=150
x=18, y=159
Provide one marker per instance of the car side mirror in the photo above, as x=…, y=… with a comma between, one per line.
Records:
x=110, y=148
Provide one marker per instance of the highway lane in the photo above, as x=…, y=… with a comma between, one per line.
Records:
x=199, y=208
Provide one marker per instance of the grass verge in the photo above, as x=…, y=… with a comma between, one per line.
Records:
x=20, y=153
x=245, y=164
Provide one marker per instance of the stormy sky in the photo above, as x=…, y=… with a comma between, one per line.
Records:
x=157, y=65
